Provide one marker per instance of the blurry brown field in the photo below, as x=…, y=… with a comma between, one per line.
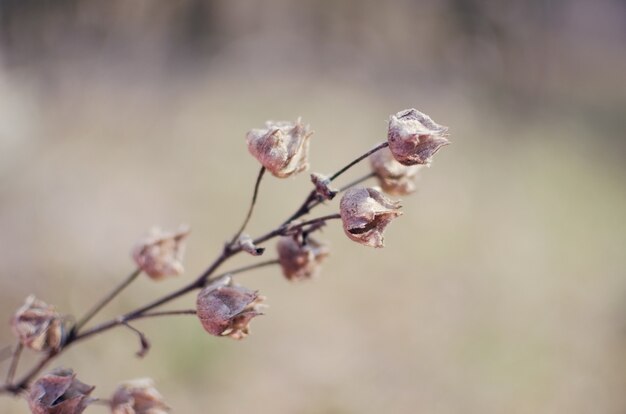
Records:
x=500, y=290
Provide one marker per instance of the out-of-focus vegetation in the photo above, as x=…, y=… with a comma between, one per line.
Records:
x=502, y=287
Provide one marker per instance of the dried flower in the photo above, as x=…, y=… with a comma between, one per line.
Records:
x=227, y=310
x=414, y=138
x=394, y=178
x=59, y=392
x=281, y=147
x=322, y=187
x=365, y=212
x=247, y=245
x=160, y=254
x=138, y=397
x=37, y=325
x=300, y=259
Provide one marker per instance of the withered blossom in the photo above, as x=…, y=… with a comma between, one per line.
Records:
x=37, y=325
x=393, y=177
x=160, y=254
x=300, y=259
x=281, y=147
x=227, y=310
x=414, y=138
x=138, y=396
x=59, y=392
x=365, y=213
x=322, y=187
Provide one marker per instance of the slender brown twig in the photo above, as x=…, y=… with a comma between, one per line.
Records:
x=15, y=359
x=98, y=307
x=251, y=209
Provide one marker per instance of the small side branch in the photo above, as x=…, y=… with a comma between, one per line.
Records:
x=15, y=359
x=252, y=204
x=129, y=279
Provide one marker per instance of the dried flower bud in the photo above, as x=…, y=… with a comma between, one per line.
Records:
x=138, y=397
x=281, y=147
x=37, y=325
x=227, y=310
x=365, y=212
x=414, y=138
x=300, y=260
x=394, y=178
x=59, y=392
x=247, y=245
x=160, y=254
x=322, y=187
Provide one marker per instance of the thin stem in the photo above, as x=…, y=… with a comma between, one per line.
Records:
x=251, y=209
x=357, y=181
x=129, y=279
x=143, y=340
x=15, y=359
x=244, y=269
x=164, y=313
x=23, y=382
x=311, y=200
x=359, y=159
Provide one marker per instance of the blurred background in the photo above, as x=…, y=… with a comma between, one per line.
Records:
x=502, y=289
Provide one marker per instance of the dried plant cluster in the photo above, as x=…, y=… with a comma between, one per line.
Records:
x=224, y=308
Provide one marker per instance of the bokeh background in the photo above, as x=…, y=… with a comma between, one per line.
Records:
x=501, y=290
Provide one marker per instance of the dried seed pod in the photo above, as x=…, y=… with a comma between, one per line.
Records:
x=300, y=259
x=281, y=147
x=394, y=178
x=37, y=325
x=246, y=243
x=322, y=187
x=160, y=254
x=59, y=392
x=227, y=310
x=414, y=138
x=365, y=213
x=138, y=397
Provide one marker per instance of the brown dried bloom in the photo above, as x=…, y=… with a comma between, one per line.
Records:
x=414, y=138
x=365, y=212
x=227, y=310
x=300, y=260
x=59, y=392
x=37, y=325
x=322, y=187
x=138, y=397
x=394, y=178
x=160, y=254
x=281, y=147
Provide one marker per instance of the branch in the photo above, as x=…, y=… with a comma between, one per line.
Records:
x=251, y=209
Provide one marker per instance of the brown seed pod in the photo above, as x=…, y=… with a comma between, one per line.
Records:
x=160, y=254
x=138, y=396
x=59, y=392
x=281, y=147
x=414, y=138
x=300, y=260
x=227, y=310
x=37, y=325
x=365, y=213
x=393, y=177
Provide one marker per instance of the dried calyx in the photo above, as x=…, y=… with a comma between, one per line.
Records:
x=226, y=310
x=393, y=177
x=300, y=257
x=365, y=213
x=281, y=147
x=59, y=393
x=414, y=138
x=160, y=254
x=138, y=397
x=38, y=326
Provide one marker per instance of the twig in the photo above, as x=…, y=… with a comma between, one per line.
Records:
x=311, y=200
x=251, y=209
x=15, y=359
x=129, y=279
x=143, y=340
